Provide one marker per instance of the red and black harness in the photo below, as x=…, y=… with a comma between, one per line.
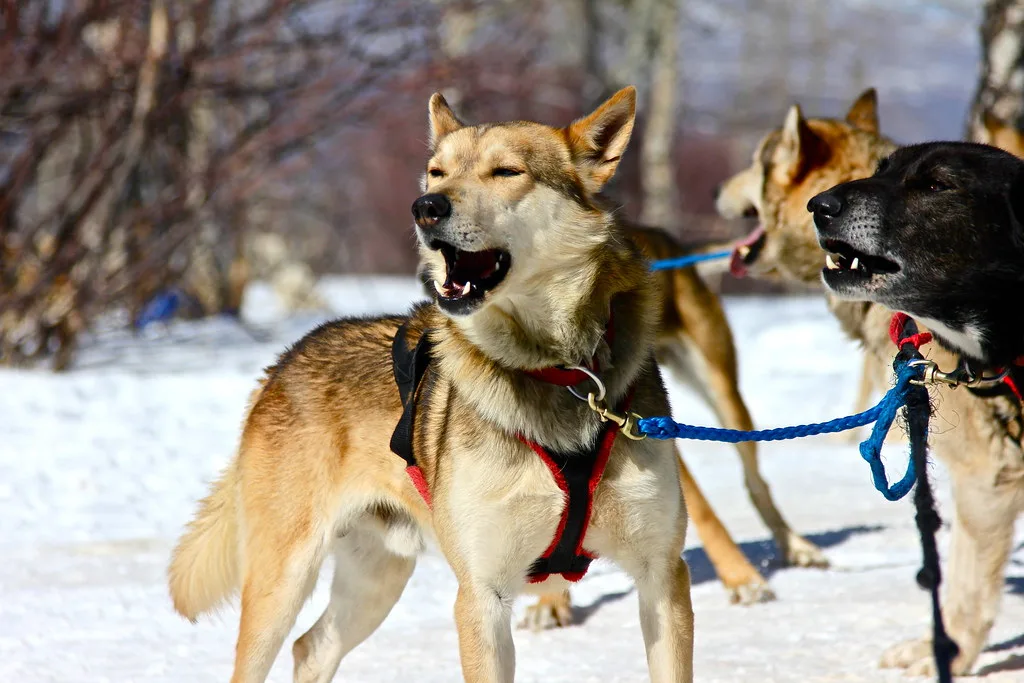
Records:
x=577, y=473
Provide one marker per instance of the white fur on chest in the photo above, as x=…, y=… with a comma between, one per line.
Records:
x=969, y=339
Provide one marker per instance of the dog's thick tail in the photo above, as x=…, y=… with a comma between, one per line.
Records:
x=204, y=569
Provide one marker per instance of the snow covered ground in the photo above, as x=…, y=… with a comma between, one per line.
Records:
x=101, y=467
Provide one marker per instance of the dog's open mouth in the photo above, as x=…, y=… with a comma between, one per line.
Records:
x=469, y=275
x=845, y=265
x=746, y=251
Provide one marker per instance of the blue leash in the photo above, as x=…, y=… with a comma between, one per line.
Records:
x=686, y=261
x=882, y=415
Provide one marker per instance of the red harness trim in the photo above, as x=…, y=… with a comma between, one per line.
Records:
x=563, y=377
x=896, y=325
x=1008, y=381
x=567, y=377
x=607, y=441
x=420, y=482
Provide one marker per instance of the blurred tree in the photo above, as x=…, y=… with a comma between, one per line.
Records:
x=136, y=136
x=1000, y=92
x=657, y=173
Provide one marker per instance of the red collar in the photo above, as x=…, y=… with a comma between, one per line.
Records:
x=568, y=377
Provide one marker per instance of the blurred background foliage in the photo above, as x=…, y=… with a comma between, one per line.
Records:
x=164, y=153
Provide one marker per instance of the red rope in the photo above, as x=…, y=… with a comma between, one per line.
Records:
x=896, y=326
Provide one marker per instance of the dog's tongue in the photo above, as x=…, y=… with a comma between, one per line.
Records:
x=737, y=264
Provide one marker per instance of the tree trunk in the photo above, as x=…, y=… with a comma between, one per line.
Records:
x=656, y=172
x=1000, y=93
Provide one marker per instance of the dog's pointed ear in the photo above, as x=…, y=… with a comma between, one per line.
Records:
x=598, y=141
x=991, y=124
x=442, y=119
x=863, y=113
x=794, y=146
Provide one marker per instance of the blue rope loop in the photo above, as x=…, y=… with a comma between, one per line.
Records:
x=687, y=261
x=882, y=415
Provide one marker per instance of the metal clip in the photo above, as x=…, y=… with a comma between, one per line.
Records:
x=593, y=378
x=627, y=423
x=962, y=375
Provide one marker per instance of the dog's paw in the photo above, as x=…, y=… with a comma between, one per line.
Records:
x=917, y=659
x=802, y=553
x=551, y=611
x=751, y=593
x=908, y=655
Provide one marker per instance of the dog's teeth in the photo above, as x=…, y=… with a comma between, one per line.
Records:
x=743, y=251
x=466, y=288
x=830, y=264
x=855, y=264
x=439, y=287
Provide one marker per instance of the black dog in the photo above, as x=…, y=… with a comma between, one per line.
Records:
x=936, y=233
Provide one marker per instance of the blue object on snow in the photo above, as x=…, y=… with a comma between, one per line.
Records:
x=160, y=308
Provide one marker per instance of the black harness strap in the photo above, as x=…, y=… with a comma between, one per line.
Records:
x=918, y=412
x=408, y=367
x=573, y=472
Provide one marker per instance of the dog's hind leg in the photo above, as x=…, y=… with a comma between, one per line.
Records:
x=709, y=337
x=982, y=540
x=281, y=569
x=865, y=388
x=744, y=583
x=369, y=577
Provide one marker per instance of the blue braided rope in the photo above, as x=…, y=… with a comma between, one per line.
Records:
x=686, y=261
x=882, y=415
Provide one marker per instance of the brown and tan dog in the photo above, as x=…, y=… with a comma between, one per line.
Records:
x=980, y=435
x=531, y=275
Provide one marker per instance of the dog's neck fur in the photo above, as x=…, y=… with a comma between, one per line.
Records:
x=490, y=353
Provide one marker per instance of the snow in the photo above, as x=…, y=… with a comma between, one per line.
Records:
x=101, y=467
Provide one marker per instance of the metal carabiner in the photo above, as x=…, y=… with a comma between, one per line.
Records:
x=601, y=391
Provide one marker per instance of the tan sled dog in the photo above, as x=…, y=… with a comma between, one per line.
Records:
x=785, y=172
x=532, y=278
x=978, y=437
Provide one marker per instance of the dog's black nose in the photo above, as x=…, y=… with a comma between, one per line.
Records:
x=825, y=204
x=431, y=208
x=717, y=191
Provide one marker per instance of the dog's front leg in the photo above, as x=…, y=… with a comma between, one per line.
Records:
x=484, y=620
x=666, y=620
x=981, y=544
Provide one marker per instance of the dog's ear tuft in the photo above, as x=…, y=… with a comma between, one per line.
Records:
x=863, y=113
x=598, y=141
x=795, y=146
x=991, y=124
x=442, y=119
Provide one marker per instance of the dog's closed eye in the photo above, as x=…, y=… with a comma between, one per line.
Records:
x=506, y=172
